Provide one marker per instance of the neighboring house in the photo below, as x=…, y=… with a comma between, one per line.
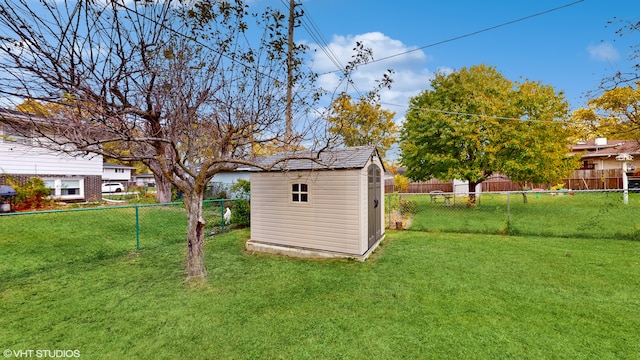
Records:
x=224, y=180
x=70, y=178
x=331, y=207
x=116, y=172
x=601, y=153
x=144, y=180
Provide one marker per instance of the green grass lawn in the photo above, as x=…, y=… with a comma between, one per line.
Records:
x=598, y=215
x=422, y=295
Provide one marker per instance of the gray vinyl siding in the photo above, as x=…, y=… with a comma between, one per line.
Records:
x=331, y=220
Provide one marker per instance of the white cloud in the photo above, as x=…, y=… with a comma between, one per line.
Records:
x=409, y=78
x=381, y=45
x=603, y=52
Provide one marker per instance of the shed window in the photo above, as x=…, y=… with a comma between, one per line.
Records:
x=299, y=192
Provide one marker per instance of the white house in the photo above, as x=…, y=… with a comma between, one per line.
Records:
x=601, y=153
x=332, y=206
x=144, y=179
x=116, y=172
x=224, y=180
x=74, y=178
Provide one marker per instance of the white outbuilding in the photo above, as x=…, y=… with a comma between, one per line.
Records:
x=331, y=206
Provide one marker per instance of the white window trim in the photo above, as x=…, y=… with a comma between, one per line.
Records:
x=290, y=193
x=58, y=188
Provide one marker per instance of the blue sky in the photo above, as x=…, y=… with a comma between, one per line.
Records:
x=572, y=48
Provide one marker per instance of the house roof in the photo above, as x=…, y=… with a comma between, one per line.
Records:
x=596, y=144
x=8, y=116
x=355, y=157
x=12, y=113
x=614, y=148
x=116, y=166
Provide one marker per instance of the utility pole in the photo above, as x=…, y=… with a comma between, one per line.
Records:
x=289, y=115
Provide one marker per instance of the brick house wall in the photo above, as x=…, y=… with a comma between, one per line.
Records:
x=92, y=184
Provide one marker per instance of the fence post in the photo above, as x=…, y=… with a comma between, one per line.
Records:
x=137, y=229
x=508, y=213
x=222, y=214
x=387, y=203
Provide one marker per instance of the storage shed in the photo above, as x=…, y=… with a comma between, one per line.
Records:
x=331, y=206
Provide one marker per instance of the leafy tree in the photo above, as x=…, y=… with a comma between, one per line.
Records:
x=392, y=167
x=584, y=124
x=401, y=183
x=362, y=123
x=474, y=122
x=615, y=114
x=31, y=106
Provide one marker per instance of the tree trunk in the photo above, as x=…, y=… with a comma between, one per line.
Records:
x=163, y=189
x=472, y=192
x=195, y=236
x=163, y=185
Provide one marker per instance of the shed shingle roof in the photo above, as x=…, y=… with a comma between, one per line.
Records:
x=331, y=159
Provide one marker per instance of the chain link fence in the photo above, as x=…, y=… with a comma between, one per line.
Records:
x=110, y=231
x=116, y=229
x=610, y=214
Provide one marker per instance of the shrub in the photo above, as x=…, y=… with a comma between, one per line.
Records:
x=242, y=188
x=30, y=196
x=401, y=182
x=241, y=213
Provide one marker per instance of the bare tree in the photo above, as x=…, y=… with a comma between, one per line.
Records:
x=625, y=29
x=177, y=85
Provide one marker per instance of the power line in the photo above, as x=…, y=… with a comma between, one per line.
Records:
x=313, y=30
x=316, y=35
x=327, y=49
x=204, y=45
x=473, y=33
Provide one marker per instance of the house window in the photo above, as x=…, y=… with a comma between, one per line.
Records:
x=587, y=165
x=300, y=193
x=69, y=187
x=51, y=185
x=65, y=188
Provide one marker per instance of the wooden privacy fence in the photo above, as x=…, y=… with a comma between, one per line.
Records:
x=421, y=187
x=579, y=180
x=595, y=180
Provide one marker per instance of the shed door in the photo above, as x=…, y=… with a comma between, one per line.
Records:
x=375, y=214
